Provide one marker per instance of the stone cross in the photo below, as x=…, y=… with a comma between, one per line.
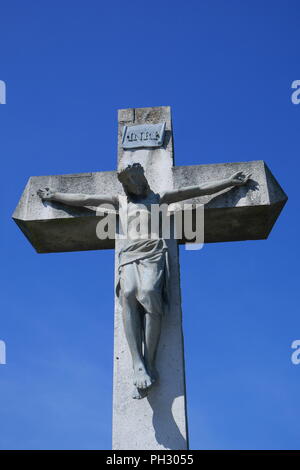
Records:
x=240, y=213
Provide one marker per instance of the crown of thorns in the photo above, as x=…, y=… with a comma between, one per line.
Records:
x=135, y=167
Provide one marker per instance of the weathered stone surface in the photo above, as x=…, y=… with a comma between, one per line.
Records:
x=54, y=227
x=247, y=213
x=240, y=213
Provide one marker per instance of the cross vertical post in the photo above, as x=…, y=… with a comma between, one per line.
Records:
x=160, y=420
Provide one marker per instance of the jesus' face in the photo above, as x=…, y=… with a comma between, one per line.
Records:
x=136, y=183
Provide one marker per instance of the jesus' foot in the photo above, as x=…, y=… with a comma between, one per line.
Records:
x=152, y=371
x=141, y=379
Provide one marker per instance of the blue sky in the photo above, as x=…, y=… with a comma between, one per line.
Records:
x=225, y=68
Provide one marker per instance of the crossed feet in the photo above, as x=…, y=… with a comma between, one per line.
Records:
x=142, y=381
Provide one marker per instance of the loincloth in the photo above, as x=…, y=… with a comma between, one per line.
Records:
x=144, y=270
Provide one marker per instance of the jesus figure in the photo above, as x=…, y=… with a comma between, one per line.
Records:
x=143, y=263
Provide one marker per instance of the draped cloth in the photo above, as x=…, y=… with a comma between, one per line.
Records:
x=144, y=271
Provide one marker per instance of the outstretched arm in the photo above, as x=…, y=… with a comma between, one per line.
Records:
x=75, y=199
x=188, y=192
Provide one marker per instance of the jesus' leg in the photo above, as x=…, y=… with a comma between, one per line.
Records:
x=133, y=327
x=152, y=335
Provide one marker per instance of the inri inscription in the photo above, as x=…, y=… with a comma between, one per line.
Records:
x=145, y=135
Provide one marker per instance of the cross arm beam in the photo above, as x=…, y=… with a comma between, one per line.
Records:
x=51, y=226
x=240, y=213
x=235, y=213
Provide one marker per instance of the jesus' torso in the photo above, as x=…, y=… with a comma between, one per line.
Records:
x=137, y=214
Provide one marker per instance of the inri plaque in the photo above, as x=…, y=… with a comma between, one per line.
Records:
x=145, y=135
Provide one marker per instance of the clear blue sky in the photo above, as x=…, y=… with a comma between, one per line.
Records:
x=226, y=68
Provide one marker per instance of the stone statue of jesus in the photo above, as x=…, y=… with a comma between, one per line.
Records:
x=143, y=263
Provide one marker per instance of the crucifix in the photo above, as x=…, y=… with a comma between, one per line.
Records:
x=59, y=213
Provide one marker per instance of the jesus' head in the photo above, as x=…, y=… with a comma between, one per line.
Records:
x=134, y=180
